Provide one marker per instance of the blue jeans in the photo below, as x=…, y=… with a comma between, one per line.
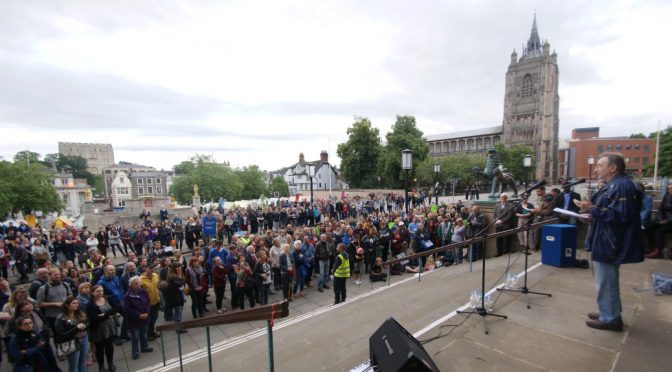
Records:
x=172, y=313
x=324, y=273
x=608, y=291
x=77, y=361
x=138, y=339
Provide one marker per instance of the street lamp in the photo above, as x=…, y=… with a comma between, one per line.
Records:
x=527, y=163
x=406, y=165
x=378, y=183
x=437, y=170
x=311, y=174
x=591, y=161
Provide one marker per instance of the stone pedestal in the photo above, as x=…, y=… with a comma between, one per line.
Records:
x=196, y=201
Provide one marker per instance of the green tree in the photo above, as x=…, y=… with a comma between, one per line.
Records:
x=214, y=180
x=404, y=135
x=512, y=160
x=26, y=157
x=184, y=167
x=362, y=149
x=458, y=166
x=253, y=180
x=665, y=152
x=76, y=165
x=638, y=135
x=279, y=185
x=26, y=186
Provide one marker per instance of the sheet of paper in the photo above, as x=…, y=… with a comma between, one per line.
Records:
x=572, y=214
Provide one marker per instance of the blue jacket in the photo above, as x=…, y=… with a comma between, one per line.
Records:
x=113, y=290
x=222, y=255
x=616, y=236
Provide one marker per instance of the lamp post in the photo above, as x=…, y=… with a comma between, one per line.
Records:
x=437, y=170
x=527, y=163
x=311, y=174
x=591, y=161
x=378, y=183
x=406, y=165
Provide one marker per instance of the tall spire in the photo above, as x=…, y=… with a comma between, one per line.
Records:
x=533, y=48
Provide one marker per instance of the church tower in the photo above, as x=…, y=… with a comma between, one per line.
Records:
x=531, y=103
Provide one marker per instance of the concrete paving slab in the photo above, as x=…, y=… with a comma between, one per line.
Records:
x=465, y=355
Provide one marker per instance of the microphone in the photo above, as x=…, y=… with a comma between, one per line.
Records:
x=573, y=183
x=535, y=186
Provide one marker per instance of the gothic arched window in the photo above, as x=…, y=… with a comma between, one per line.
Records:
x=527, y=88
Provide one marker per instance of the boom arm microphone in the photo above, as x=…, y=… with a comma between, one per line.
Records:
x=573, y=183
x=535, y=186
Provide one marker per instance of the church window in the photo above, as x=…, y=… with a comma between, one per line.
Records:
x=527, y=88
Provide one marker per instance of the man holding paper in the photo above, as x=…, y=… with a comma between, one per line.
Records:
x=615, y=237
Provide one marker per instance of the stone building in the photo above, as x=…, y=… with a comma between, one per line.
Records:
x=142, y=181
x=531, y=106
x=72, y=192
x=97, y=155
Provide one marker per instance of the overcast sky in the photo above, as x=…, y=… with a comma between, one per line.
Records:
x=258, y=82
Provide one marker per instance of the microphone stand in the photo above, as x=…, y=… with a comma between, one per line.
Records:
x=524, y=290
x=482, y=311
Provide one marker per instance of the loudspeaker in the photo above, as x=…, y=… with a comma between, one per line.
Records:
x=392, y=349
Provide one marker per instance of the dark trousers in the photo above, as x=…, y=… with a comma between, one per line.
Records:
x=105, y=348
x=339, y=289
x=286, y=285
x=234, y=298
x=477, y=251
x=219, y=296
x=276, y=278
x=659, y=232
x=153, y=316
x=241, y=292
x=503, y=243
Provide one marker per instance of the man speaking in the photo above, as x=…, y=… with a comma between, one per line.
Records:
x=615, y=237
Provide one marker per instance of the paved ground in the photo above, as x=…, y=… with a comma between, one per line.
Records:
x=549, y=336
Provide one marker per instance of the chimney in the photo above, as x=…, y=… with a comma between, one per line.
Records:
x=302, y=160
x=324, y=157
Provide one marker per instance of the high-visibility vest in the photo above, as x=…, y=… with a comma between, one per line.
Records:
x=343, y=271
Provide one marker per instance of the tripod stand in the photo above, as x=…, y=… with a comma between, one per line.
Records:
x=524, y=290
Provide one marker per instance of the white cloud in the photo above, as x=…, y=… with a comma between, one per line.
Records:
x=258, y=82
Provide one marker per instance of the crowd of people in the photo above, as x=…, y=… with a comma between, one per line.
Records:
x=70, y=300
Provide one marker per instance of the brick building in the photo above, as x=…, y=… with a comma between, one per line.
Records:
x=586, y=142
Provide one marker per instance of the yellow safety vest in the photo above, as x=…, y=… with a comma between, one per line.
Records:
x=343, y=271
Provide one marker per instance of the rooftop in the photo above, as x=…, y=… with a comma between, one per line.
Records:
x=466, y=133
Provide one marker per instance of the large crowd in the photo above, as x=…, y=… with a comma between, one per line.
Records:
x=68, y=299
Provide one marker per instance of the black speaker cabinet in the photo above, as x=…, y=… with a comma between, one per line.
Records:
x=392, y=349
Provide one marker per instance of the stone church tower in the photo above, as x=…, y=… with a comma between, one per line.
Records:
x=531, y=104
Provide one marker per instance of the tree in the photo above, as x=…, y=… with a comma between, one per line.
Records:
x=404, y=135
x=214, y=180
x=637, y=135
x=665, y=161
x=26, y=186
x=362, y=149
x=184, y=167
x=26, y=157
x=512, y=160
x=253, y=180
x=73, y=164
x=279, y=185
x=458, y=166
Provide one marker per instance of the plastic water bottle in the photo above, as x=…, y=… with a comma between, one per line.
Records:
x=511, y=281
x=474, y=299
x=489, y=302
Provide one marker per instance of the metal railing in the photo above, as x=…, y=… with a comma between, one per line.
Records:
x=266, y=312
